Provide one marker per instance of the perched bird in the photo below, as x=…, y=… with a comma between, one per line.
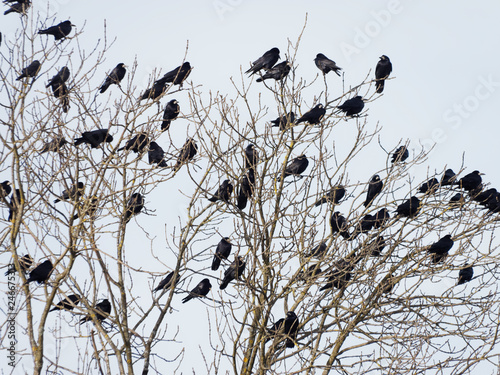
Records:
x=15, y=201
x=41, y=272
x=223, y=192
x=382, y=72
x=101, y=311
x=352, y=107
x=449, y=178
x=314, y=116
x=387, y=284
x=381, y=218
x=21, y=6
x=429, y=186
x=61, y=92
x=310, y=274
x=156, y=155
x=338, y=223
x=30, y=71
x=54, y=145
x=178, y=75
x=244, y=192
x=73, y=193
x=68, y=303
x=401, y=154
x=483, y=197
x=134, y=205
x=334, y=195
x=59, y=31
x=88, y=208
x=366, y=224
x=377, y=246
x=340, y=275
x=221, y=252
x=251, y=156
x=266, y=61
x=170, y=113
x=25, y=263
x=318, y=250
x=277, y=72
x=154, y=92
x=457, y=200
x=200, y=290
x=61, y=77
x=493, y=204
x=326, y=65
x=374, y=188
x=5, y=189
x=471, y=181
x=284, y=121
x=167, y=282
x=439, y=250
x=137, y=144
x=296, y=166
x=409, y=208
x=94, y=138
x=465, y=274
x=187, y=153
x=234, y=272
x=115, y=77
x=286, y=328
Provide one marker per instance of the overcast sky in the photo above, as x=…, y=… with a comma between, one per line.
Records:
x=445, y=58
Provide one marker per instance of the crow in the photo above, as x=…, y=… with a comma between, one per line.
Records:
x=25, y=263
x=59, y=31
x=457, y=200
x=296, y=166
x=62, y=76
x=100, y=312
x=89, y=207
x=223, y=192
x=30, y=71
x=314, y=116
x=381, y=218
x=382, y=72
x=338, y=223
x=267, y=61
x=374, y=188
x=484, y=197
x=54, y=145
x=439, y=250
x=134, y=205
x=352, y=107
x=377, y=246
x=167, y=282
x=114, y=77
x=41, y=272
x=429, y=187
x=318, y=250
x=68, y=303
x=234, y=272
x=401, y=154
x=471, y=181
x=5, y=189
x=137, y=144
x=21, y=6
x=340, y=275
x=15, y=201
x=251, y=156
x=310, y=273
x=170, y=113
x=409, y=208
x=200, y=290
x=278, y=72
x=73, y=193
x=286, y=328
x=449, y=178
x=493, y=204
x=187, y=153
x=284, y=121
x=154, y=92
x=366, y=224
x=156, y=155
x=245, y=192
x=334, y=195
x=94, y=138
x=465, y=274
x=178, y=75
x=221, y=252
x=326, y=65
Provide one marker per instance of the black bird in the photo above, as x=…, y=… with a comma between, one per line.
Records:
x=54, y=145
x=284, y=121
x=439, y=250
x=314, y=116
x=340, y=275
x=61, y=92
x=471, y=181
x=21, y=6
x=156, y=155
x=134, y=205
x=409, y=208
x=170, y=113
x=245, y=192
x=251, y=156
x=221, y=252
x=310, y=273
x=449, y=178
x=5, y=189
x=286, y=328
x=178, y=75
x=334, y=195
x=457, y=200
x=366, y=224
x=318, y=250
x=484, y=197
x=100, y=312
x=154, y=92
x=374, y=188
x=137, y=144
x=234, y=272
x=187, y=153
x=115, y=77
x=338, y=223
x=266, y=61
x=352, y=107
x=326, y=65
x=68, y=303
x=382, y=72
x=401, y=154
x=429, y=186
x=387, y=284
x=73, y=193
x=200, y=290
x=30, y=71
x=25, y=263
x=465, y=274
x=94, y=138
x=62, y=76
x=59, y=31
x=277, y=72
x=377, y=246
x=296, y=166
x=223, y=192
x=493, y=204
x=166, y=283
x=88, y=208
x=41, y=272
x=15, y=202
x=381, y=218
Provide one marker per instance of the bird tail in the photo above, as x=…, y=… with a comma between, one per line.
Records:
x=104, y=87
x=379, y=85
x=165, y=125
x=216, y=263
x=185, y=299
x=242, y=201
x=79, y=141
x=57, y=200
x=320, y=202
x=224, y=284
x=120, y=149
